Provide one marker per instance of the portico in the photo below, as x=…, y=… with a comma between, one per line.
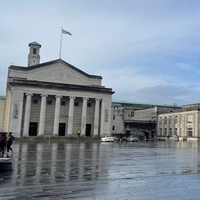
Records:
x=95, y=103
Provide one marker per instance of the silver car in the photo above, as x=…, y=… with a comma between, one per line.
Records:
x=132, y=138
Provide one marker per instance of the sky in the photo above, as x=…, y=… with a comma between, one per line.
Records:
x=147, y=51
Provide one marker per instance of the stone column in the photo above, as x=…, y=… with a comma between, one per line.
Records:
x=102, y=118
x=96, y=117
x=71, y=115
x=173, y=125
x=27, y=115
x=167, y=126
x=84, y=116
x=163, y=126
x=42, y=115
x=56, y=116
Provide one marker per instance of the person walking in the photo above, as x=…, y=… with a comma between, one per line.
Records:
x=9, y=141
x=78, y=133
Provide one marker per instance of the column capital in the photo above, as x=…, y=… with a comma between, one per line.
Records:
x=97, y=99
x=85, y=98
x=58, y=96
x=72, y=97
x=44, y=95
x=29, y=94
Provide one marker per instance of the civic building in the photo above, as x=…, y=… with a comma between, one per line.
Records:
x=184, y=124
x=55, y=99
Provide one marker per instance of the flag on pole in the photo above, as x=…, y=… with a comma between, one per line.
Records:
x=66, y=32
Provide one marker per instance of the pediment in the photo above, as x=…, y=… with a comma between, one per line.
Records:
x=58, y=71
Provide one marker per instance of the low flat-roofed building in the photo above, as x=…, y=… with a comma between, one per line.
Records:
x=184, y=124
x=137, y=118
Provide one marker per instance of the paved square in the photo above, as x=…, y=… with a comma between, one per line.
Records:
x=70, y=169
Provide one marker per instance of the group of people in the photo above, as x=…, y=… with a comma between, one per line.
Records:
x=6, y=140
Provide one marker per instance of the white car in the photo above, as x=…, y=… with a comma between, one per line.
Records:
x=132, y=139
x=107, y=139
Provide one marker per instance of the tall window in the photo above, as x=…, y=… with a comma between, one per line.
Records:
x=165, y=132
x=34, y=51
x=113, y=117
x=113, y=128
x=76, y=104
x=63, y=103
x=160, y=121
x=189, y=132
x=89, y=104
x=190, y=118
x=170, y=132
x=165, y=120
x=176, y=119
x=170, y=120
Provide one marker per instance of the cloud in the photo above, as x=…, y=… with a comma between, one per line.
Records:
x=161, y=94
x=144, y=50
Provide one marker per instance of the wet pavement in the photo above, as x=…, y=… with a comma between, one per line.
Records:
x=91, y=170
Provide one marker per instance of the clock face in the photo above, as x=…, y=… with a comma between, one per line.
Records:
x=34, y=61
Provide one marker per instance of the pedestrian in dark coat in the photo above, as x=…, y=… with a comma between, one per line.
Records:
x=9, y=140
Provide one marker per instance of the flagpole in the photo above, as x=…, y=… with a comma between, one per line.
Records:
x=60, y=44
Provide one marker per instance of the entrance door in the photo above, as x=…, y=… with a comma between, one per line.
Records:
x=61, y=131
x=33, y=129
x=88, y=130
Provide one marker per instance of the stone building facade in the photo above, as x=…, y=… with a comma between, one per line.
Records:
x=138, y=119
x=55, y=99
x=184, y=124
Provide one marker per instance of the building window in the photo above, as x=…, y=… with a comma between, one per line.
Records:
x=160, y=131
x=63, y=103
x=113, y=128
x=165, y=132
x=49, y=102
x=113, y=117
x=176, y=119
x=170, y=132
x=190, y=118
x=131, y=114
x=89, y=104
x=165, y=120
x=189, y=132
x=35, y=101
x=76, y=104
x=160, y=121
x=170, y=120
x=176, y=132
x=34, y=51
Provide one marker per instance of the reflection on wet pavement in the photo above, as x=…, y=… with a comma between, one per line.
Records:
x=82, y=166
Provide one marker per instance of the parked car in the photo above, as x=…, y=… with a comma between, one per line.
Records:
x=107, y=139
x=132, y=138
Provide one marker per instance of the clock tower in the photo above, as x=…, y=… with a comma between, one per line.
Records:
x=34, y=56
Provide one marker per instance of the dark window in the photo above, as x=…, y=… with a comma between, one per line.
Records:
x=113, y=128
x=49, y=102
x=76, y=104
x=34, y=51
x=113, y=117
x=189, y=132
x=63, y=103
x=165, y=132
x=35, y=101
x=89, y=104
x=132, y=113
